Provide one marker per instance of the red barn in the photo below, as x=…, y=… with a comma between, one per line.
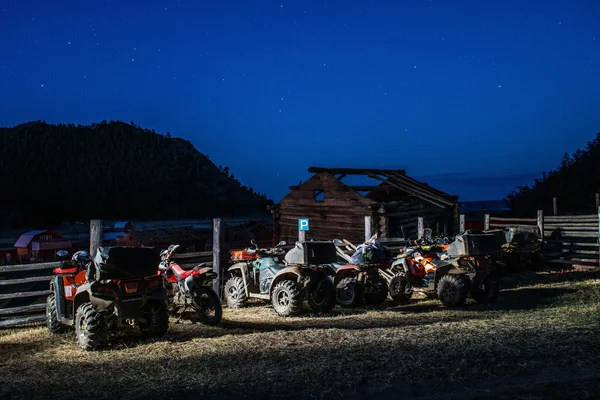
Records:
x=40, y=245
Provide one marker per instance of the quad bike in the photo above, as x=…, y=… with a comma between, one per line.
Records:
x=301, y=276
x=521, y=246
x=118, y=289
x=467, y=267
x=361, y=279
x=190, y=290
x=429, y=243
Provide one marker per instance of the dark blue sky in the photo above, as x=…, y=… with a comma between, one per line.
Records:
x=474, y=97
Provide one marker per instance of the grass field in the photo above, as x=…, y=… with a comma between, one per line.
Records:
x=541, y=340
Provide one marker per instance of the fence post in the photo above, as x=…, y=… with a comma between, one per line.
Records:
x=540, y=222
x=461, y=227
x=420, y=228
x=486, y=222
x=599, y=229
x=217, y=255
x=367, y=227
x=555, y=206
x=96, y=234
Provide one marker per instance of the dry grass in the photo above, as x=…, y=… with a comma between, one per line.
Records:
x=545, y=328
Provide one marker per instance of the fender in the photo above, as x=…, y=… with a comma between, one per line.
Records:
x=441, y=271
x=401, y=262
x=345, y=271
x=59, y=271
x=241, y=266
x=205, y=274
x=84, y=293
x=288, y=272
x=57, y=287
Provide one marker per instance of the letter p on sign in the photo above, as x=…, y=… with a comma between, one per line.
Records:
x=302, y=224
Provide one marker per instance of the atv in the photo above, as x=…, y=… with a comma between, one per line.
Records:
x=468, y=266
x=119, y=288
x=258, y=273
x=361, y=279
x=521, y=247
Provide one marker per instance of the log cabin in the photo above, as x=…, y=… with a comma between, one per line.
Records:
x=338, y=210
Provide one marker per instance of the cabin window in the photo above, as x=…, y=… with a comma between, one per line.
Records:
x=319, y=195
x=45, y=237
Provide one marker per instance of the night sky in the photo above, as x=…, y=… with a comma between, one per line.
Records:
x=473, y=97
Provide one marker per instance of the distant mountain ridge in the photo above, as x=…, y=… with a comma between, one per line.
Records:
x=478, y=205
x=111, y=170
x=574, y=183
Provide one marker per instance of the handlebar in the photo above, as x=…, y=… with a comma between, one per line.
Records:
x=166, y=254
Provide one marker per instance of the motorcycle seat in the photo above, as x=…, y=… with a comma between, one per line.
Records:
x=180, y=272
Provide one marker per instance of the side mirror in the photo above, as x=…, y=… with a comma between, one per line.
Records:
x=62, y=253
x=282, y=243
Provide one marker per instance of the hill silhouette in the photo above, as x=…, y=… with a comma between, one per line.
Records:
x=111, y=170
x=574, y=183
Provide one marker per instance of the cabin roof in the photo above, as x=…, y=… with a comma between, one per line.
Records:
x=27, y=237
x=390, y=179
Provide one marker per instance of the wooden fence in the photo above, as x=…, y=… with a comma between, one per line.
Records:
x=570, y=239
x=25, y=287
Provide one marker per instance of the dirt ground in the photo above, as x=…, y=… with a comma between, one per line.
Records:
x=541, y=340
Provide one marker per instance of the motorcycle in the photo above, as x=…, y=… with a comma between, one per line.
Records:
x=188, y=289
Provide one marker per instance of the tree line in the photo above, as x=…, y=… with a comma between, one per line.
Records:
x=111, y=170
x=574, y=183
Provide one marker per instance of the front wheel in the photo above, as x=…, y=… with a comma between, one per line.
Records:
x=52, y=321
x=155, y=319
x=235, y=292
x=400, y=289
x=286, y=298
x=322, y=299
x=490, y=291
x=452, y=290
x=349, y=292
x=208, y=305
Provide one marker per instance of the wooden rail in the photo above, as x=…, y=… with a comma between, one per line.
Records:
x=25, y=287
x=566, y=239
x=23, y=291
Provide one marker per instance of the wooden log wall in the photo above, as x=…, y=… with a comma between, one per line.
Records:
x=437, y=219
x=335, y=213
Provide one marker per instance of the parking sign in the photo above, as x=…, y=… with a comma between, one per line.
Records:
x=302, y=224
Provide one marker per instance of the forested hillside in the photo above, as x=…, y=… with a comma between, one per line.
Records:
x=111, y=170
x=574, y=183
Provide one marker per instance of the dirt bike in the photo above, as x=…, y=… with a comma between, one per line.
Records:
x=189, y=290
